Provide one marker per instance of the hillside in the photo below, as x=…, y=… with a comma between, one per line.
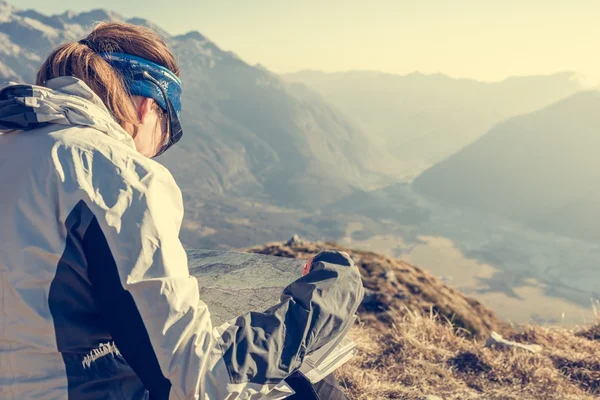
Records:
x=391, y=284
x=422, y=118
x=250, y=134
x=412, y=342
x=541, y=169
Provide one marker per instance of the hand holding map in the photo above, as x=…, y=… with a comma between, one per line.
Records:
x=307, y=266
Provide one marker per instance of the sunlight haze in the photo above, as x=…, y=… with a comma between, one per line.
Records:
x=479, y=39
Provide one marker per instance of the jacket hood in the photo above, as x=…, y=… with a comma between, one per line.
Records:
x=65, y=100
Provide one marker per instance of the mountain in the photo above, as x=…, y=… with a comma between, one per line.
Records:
x=250, y=139
x=256, y=135
x=541, y=169
x=423, y=119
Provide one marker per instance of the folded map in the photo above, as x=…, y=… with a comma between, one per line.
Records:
x=234, y=283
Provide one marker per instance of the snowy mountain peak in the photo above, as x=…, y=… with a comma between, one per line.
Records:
x=193, y=35
x=89, y=18
x=6, y=11
x=149, y=24
x=6, y=5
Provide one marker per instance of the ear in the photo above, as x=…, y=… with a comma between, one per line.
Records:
x=144, y=108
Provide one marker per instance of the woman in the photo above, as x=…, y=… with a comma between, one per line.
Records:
x=95, y=296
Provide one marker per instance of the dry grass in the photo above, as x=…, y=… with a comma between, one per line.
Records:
x=420, y=355
x=419, y=337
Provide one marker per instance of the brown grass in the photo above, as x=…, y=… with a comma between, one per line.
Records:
x=421, y=355
x=592, y=333
x=419, y=337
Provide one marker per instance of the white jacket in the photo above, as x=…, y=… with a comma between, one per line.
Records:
x=96, y=300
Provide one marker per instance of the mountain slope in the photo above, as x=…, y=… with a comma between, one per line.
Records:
x=248, y=134
x=298, y=150
x=411, y=342
x=423, y=119
x=542, y=169
x=392, y=284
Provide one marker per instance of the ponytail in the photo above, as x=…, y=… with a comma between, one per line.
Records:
x=82, y=60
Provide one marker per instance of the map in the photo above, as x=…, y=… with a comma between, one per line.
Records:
x=232, y=283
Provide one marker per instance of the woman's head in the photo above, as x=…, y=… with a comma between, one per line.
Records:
x=141, y=116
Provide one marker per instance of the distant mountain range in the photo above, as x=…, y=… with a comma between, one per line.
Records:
x=541, y=169
x=422, y=119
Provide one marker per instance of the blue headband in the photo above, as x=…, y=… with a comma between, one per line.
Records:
x=131, y=67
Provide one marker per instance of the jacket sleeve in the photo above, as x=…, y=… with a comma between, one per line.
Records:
x=140, y=278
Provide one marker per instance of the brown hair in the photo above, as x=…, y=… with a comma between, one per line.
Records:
x=82, y=60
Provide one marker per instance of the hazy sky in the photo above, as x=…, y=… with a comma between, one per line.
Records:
x=481, y=39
